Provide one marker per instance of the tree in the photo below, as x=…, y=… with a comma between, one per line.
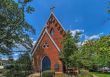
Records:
x=96, y=52
x=87, y=53
x=14, y=29
x=109, y=7
x=103, y=45
x=69, y=50
x=22, y=67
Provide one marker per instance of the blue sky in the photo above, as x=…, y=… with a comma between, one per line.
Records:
x=89, y=16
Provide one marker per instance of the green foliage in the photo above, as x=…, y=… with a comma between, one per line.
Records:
x=85, y=73
x=70, y=49
x=14, y=29
x=48, y=73
x=109, y=7
x=30, y=9
x=64, y=75
x=21, y=67
x=96, y=52
x=99, y=74
x=26, y=1
x=108, y=11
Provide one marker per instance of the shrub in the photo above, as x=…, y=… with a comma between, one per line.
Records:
x=85, y=73
x=48, y=73
x=64, y=75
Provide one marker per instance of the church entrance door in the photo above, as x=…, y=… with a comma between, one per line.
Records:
x=46, y=63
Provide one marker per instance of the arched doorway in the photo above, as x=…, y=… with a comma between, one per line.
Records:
x=46, y=63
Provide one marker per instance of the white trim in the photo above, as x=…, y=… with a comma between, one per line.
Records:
x=45, y=31
x=42, y=60
x=57, y=20
x=33, y=49
x=52, y=13
x=48, y=19
x=35, y=46
x=41, y=63
x=37, y=39
x=37, y=42
x=53, y=41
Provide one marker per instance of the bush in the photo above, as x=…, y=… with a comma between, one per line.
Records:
x=64, y=75
x=48, y=73
x=85, y=73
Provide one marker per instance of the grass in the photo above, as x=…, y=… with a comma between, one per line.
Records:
x=99, y=74
x=83, y=73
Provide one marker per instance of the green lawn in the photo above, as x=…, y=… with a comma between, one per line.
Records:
x=101, y=74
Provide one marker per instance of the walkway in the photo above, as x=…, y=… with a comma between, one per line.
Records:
x=35, y=75
x=38, y=75
x=94, y=75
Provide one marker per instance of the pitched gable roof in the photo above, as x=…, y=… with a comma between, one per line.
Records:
x=52, y=14
x=43, y=33
x=38, y=42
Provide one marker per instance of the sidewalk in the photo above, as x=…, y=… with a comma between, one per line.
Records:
x=94, y=75
x=35, y=75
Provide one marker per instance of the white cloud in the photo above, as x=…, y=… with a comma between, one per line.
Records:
x=93, y=36
x=74, y=33
x=4, y=58
x=76, y=30
x=79, y=44
x=19, y=48
x=16, y=54
x=34, y=42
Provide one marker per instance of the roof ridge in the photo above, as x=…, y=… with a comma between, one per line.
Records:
x=57, y=20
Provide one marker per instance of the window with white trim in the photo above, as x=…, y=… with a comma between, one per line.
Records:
x=46, y=45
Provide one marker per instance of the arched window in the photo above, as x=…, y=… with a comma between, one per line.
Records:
x=52, y=32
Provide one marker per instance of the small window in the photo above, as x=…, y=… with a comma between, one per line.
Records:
x=52, y=32
x=46, y=45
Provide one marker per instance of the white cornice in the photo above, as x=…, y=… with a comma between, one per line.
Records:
x=52, y=40
x=45, y=31
x=37, y=43
x=42, y=34
x=57, y=20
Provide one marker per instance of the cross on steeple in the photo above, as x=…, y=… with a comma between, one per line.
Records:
x=52, y=8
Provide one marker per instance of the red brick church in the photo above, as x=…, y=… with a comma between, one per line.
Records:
x=46, y=50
